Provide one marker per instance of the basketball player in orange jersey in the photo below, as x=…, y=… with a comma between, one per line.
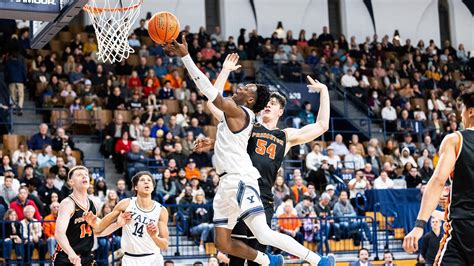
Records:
x=74, y=236
x=456, y=162
x=145, y=233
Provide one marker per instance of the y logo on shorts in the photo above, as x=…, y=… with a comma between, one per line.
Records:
x=251, y=199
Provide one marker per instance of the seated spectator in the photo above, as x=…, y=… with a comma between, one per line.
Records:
x=166, y=188
x=34, y=163
x=133, y=41
x=21, y=157
x=279, y=190
x=136, y=104
x=46, y=158
x=373, y=159
x=305, y=207
x=333, y=159
x=289, y=223
x=344, y=214
x=185, y=199
x=156, y=159
x=175, y=79
x=407, y=158
x=191, y=170
x=203, y=118
x=134, y=82
x=122, y=191
x=7, y=165
x=49, y=227
x=135, y=160
x=111, y=199
x=383, y=181
x=45, y=191
x=159, y=68
x=30, y=180
x=369, y=174
x=66, y=189
x=32, y=233
x=159, y=130
x=76, y=76
x=188, y=143
x=408, y=143
x=359, y=146
x=353, y=160
x=323, y=176
x=7, y=190
x=339, y=146
x=122, y=147
x=200, y=215
x=425, y=156
x=38, y=140
x=166, y=92
x=363, y=258
x=11, y=234
x=149, y=92
x=298, y=189
x=147, y=143
x=136, y=128
x=292, y=69
x=389, y=115
x=68, y=92
x=428, y=145
x=348, y=80
x=305, y=116
x=195, y=128
x=106, y=242
x=61, y=140
x=113, y=133
x=178, y=156
x=358, y=185
x=426, y=171
x=167, y=145
x=115, y=101
x=175, y=128
x=59, y=164
x=69, y=158
x=413, y=179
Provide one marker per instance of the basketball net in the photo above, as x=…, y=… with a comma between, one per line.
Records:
x=112, y=23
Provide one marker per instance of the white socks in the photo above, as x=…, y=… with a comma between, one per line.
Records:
x=262, y=259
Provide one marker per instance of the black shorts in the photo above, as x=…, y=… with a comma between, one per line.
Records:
x=61, y=259
x=457, y=245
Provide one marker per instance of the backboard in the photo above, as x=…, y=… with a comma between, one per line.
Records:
x=47, y=17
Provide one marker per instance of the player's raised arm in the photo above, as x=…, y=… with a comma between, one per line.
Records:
x=99, y=225
x=66, y=210
x=228, y=106
x=122, y=219
x=312, y=131
x=160, y=233
x=434, y=188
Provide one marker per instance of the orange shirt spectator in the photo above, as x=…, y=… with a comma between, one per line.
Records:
x=298, y=189
x=50, y=227
x=192, y=170
x=175, y=79
x=289, y=224
x=156, y=82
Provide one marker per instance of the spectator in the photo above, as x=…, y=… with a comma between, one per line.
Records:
x=7, y=165
x=348, y=80
x=136, y=128
x=191, y=170
x=373, y=160
x=178, y=155
x=159, y=130
x=185, y=199
x=407, y=142
x=12, y=236
x=122, y=147
x=279, y=190
x=389, y=115
x=175, y=79
x=353, y=160
x=90, y=46
x=312, y=193
x=113, y=132
x=135, y=160
x=383, y=181
x=34, y=163
x=30, y=180
x=76, y=76
x=45, y=191
x=147, y=143
x=292, y=69
x=166, y=92
x=32, y=233
x=21, y=157
x=59, y=164
x=115, y=101
x=331, y=191
x=363, y=258
x=428, y=145
x=38, y=140
x=369, y=175
x=305, y=207
x=195, y=128
x=343, y=211
x=106, y=242
x=388, y=258
x=426, y=171
x=289, y=223
x=425, y=156
x=49, y=227
x=333, y=159
x=166, y=188
x=431, y=242
x=141, y=30
x=46, y=158
x=359, y=146
x=16, y=78
x=200, y=215
x=358, y=185
x=203, y=118
x=61, y=140
x=323, y=176
x=305, y=117
x=314, y=158
x=298, y=189
x=121, y=190
x=169, y=263
x=407, y=158
x=339, y=146
x=413, y=179
x=175, y=128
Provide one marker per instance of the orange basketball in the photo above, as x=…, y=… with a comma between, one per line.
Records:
x=163, y=27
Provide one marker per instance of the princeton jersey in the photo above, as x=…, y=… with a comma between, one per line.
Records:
x=79, y=233
x=230, y=149
x=462, y=179
x=135, y=237
x=266, y=149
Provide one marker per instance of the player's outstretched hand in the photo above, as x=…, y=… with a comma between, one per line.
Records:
x=410, y=243
x=314, y=85
x=75, y=260
x=124, y=218
x=230, y=62
x=203, y=144
x=152, y=229
x=90, y=218
x=180, y=49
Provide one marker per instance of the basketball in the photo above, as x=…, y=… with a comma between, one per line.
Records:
x=163, y=27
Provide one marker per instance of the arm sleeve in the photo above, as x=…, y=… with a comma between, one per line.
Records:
x=202, y=82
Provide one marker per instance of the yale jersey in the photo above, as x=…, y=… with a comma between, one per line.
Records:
x=231, y=149
x=267, y=150
x=135, y=237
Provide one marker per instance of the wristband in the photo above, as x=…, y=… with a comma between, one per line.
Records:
x=420, y=223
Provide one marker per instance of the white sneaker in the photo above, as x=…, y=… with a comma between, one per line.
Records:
x=202, y=249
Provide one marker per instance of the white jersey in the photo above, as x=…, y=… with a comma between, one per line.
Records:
x=230, y=149
x=135, y=237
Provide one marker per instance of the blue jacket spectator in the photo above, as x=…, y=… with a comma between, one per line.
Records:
x=15, y=71
x=159, y=130
x=136, y=160
x=40, y=139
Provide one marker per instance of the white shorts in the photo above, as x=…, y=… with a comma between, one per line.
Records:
x=236, y=200
x=155, y=259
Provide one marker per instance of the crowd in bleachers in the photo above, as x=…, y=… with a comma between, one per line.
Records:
x=149, y=114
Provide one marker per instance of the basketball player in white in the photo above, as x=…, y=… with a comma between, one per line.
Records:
x=146, y=232
x=237, y=196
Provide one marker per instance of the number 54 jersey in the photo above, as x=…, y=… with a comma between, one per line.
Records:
x=135, y=237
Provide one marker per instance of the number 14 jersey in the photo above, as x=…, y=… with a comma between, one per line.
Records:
x=135, y=237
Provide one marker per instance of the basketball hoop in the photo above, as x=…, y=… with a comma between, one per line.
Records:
x=112, y=24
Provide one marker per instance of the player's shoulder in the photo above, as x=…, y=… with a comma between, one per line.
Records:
x=453, y=138
x=123, y=204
